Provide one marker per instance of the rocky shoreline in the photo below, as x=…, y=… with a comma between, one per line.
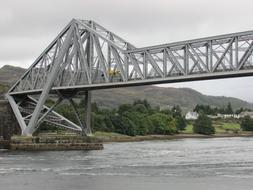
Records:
x=65, y=142
x=168, y=137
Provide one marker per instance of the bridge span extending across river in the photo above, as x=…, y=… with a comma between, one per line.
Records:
x=85, y=56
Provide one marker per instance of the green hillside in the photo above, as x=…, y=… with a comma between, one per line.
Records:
x=3, y=89
x=164, y=97
x=10, y=74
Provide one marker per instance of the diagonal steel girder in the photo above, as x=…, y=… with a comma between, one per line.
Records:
x=51, y=78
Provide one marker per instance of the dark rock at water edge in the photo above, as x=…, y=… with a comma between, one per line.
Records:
x=8, y=122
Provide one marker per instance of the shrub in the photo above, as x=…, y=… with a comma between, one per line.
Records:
x=163, y=124
x=180, y=123
x=203, y=125
x=247, y=124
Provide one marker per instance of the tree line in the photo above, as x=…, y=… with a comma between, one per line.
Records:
x=210, y=110
x=140, y=118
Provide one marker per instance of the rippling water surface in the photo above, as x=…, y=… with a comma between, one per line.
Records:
x=226, y=163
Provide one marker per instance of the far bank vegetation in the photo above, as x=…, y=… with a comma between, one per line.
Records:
x=140, y=118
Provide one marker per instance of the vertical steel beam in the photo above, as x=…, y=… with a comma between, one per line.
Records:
x=236, y=52
x=88, y=112
x=164, y=63
x=109, y=60
x=207, y=57
x=126, y=64
x=186, y=60
x=90, y=53
x=231, y=60
x=145, y=65
x=210, y=53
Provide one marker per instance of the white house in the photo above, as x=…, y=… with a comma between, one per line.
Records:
x=225, y=116
x=246, y=113
x=191, y=115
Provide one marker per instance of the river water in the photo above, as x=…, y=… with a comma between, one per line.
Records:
x=214, y=163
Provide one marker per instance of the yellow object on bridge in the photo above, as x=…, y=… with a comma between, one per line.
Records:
x=113, y=72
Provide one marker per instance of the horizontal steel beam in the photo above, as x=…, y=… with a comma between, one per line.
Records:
x=176, y=79
x=194, y=41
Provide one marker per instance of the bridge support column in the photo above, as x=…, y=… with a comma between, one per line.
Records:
x=88, y=112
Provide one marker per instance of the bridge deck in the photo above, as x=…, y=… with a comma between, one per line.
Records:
x=153, y=81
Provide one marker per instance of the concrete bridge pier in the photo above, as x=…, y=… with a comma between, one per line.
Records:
x=88, y=113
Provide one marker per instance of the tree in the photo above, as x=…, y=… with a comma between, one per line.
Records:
x=229, y=109
x=94, y=107
x=98, y=122
x=163, y=124
x=240, y=110
x=143, y=102
x=166, y=111
x=67, y=111
x=203, y=125
x=118, y=124
x=247, y=124
x=130, y=127
x=108, y=123
x=172, y=126
x=206, y=109
x=176, y=111
x=146, y=126
x=140, y=108
x=124, y=108
x=180, y=123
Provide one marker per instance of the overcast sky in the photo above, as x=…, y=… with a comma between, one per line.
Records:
x=28, y=26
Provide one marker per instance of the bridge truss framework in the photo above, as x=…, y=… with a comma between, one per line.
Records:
x=85, y=56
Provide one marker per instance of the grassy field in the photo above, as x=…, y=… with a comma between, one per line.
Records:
x=188, y=129
x=100, y=134
x=220, y=127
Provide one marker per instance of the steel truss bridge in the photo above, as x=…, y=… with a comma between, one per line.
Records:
x=85, y=56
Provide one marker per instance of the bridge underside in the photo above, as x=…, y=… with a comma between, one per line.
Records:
x=85, y=57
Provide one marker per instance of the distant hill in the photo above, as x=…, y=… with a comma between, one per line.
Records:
x=10, y=74
x=164, y=97
x=158, y=96
x=3, y=89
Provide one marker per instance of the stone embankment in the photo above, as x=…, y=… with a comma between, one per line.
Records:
x=52, y=143
x=56, y=146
